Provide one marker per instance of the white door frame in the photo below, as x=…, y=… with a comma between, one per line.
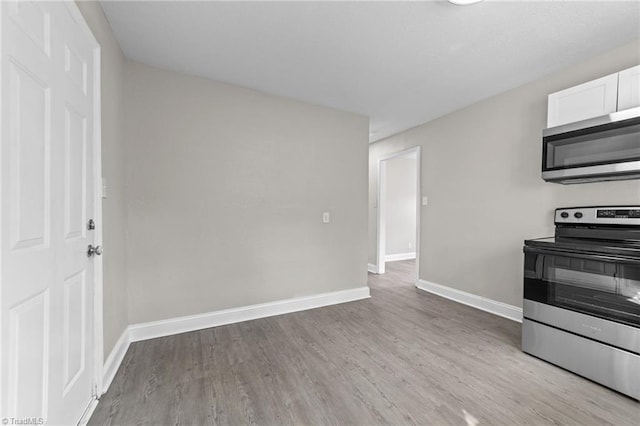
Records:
x=98, y=344
x=381, y=216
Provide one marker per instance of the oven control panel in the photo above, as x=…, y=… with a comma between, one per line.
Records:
x=619, y=213
x=605, y=215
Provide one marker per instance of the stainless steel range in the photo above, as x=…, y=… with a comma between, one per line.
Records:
x=582, y=295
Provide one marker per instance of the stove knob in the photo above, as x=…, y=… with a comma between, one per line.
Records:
x=577, y=215
x=564, y=215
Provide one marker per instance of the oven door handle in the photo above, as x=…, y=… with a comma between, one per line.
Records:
x=579, y=255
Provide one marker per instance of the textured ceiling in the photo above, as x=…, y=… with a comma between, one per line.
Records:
x=400, y=63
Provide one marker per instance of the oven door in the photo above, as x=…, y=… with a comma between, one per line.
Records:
x=603, y=286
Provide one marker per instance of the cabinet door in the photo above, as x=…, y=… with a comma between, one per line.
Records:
x=629, y=88
x=588, y=100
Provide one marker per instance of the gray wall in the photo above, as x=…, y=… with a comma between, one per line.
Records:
x=401, y=183
x=225, y=193
x=113, y=207
x=481, y=172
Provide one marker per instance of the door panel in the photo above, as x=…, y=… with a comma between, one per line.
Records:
x=76, y=268
x=75, y=174
x=47, y=197
x=75, y=326
x=75, y=67
x=29, y=123
x=29, y=353
x=27, y=255
x=34, y=22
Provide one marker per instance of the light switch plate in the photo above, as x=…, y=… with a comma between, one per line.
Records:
x=326, y=217
x=425, y=200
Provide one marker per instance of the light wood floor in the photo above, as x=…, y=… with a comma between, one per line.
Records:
x=401, y=357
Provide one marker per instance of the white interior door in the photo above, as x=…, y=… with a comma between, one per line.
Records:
x=47, y=197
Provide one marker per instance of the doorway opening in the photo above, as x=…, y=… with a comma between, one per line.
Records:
x=398, y=219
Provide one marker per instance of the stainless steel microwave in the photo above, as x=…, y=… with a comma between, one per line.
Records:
x=597, y=149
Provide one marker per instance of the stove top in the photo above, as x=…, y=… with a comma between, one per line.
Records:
x=599, y=230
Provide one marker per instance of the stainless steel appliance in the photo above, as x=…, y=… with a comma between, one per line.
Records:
x=582, y=295
x=601, y=148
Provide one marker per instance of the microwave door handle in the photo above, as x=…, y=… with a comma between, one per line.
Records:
x=588, y=256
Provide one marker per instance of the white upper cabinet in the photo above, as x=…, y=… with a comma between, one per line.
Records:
x=629, y=88
x=591, y=99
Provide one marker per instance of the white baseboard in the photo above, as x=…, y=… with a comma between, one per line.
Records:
x=114, y=359
x=492, y=306
x=373, y=268
x=151, y=330
x=400, y=256
x=86, y=416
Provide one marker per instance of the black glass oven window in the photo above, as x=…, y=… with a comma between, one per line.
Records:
x=616, y=145
x=606, y=289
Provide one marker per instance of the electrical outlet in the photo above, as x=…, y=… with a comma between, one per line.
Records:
x=326, y=217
